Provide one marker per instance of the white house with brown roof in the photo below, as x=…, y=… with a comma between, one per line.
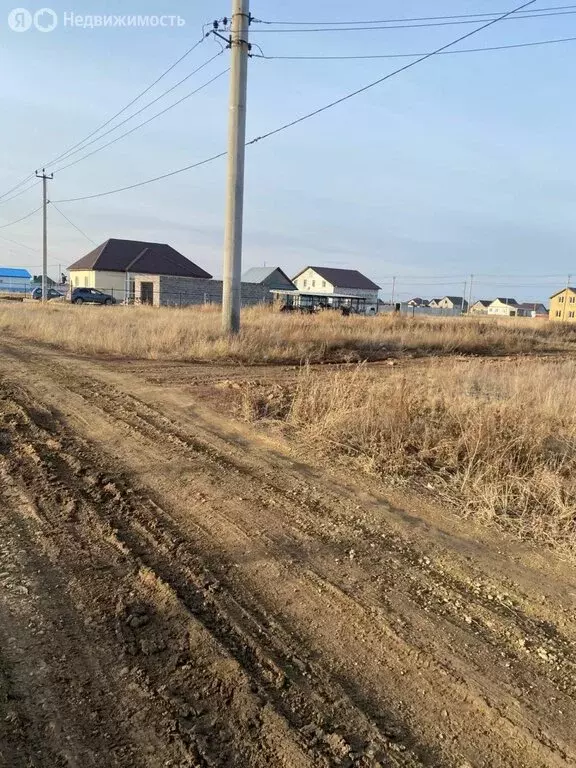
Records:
x=343, y=283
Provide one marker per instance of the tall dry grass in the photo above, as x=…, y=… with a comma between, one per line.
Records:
x=268, y=336
x=497, y=439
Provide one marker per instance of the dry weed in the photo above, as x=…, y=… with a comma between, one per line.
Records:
x=268, y=336
x=498, y=440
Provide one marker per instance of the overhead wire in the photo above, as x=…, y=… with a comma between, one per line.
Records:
x=391, y=21
x=77, y=228
x=417, y=25
x=146, y=90
x=120, y=112
x=22, y=191
x=146, y=122
x=20, y=245
x=309, y=115
x=28, y=215
x=20, y=184
x=412, y=55
x=139, y=112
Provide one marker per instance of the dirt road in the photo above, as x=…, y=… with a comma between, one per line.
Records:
x=176, y=590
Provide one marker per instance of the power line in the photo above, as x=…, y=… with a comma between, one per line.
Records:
x=394, y=21
x=410, y=26
x=105, y=124
x=20, y=245
x=72, y=224
x=412, y=55
x=20, y=184
x=13, y=197
x=127, y=106
x=4, y=226
x=148, y=181
x=143, y=109
x=388, y=76
x=141, y=125
x=303, y=118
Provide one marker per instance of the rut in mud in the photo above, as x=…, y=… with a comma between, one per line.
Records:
x=175, y=591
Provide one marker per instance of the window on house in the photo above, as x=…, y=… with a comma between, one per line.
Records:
x=323, y=283
x=76, y=281
x=558, y=313
x=85, y=282
x=313, y=283
x=570, y=314
x=572, y=299
x=305, y=283
x=561, y=299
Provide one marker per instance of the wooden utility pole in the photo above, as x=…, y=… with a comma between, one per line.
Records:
x=45, y=179
x=232, y=273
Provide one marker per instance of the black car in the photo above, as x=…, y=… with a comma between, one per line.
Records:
x=51, y=293
x=91, y=296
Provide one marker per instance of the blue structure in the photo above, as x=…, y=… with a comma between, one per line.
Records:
x=14, y=280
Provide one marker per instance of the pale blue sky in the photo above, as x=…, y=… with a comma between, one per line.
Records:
x=464, y=164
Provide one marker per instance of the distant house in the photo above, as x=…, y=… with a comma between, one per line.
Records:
x=272, y=277
x=534, y=309
x=14, y=280
x=417, y=302
x=480, y=307
x=457, y=303
x=505, y=307
x=111, y=267
x=37, y=282
x=340, y=284
x=434, y=303
x=563, y=306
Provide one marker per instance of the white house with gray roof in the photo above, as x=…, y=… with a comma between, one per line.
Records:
x=271, y=277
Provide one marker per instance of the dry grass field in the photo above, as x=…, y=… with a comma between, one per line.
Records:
x=498, y=439
x=271, y=337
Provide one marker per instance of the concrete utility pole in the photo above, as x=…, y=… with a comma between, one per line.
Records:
x=393, y=290
x=240, y=25
x=470, y=294
x=45, y=179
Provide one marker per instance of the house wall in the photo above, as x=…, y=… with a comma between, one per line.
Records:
x=563, y=307
x=190, y=291
x=478, y=310
x=504, y=310
x=312, y=281
x=14, y=284
x=113, y=283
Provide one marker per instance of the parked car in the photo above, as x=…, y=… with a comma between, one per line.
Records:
x=51, y=293
x=91, y=296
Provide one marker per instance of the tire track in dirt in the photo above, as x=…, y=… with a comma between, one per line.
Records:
x=311, y=541
x=276, y=682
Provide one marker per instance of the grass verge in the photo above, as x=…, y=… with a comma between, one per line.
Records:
x=271, y=337
x=498, y=440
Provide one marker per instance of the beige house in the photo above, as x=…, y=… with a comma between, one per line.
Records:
x=563, y=306
x=453, y=303
x=111, y=266
x=480, y=307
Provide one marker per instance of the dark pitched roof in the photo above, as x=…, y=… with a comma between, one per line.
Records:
x=532, y=305
x=454, y=299
x=136, y=256
x=484, y=302
x=510, y=302
x=343, y=278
